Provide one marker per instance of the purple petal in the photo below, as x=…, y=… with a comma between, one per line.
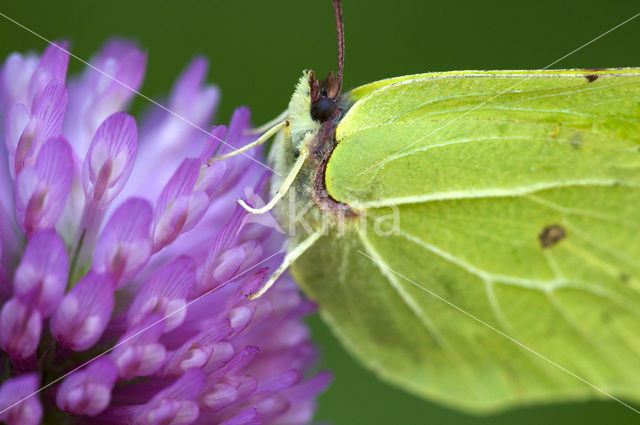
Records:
x=15, y=76
x=240, y=293
x=237, y=136
x=96, y=95
x=310, y=388
x=243, y=358
x=228, y=264
x=198, y=352
x=280, y=382
x=139, y=360
x=169, y=138
x=124, y=246
x=41, y=191
x=88, y=391
x=20, y=329
x=84, y=312
x=17, y=395
x=248, y=417
x=216, y=135
x=191, y=100
x=165, y=293
x=46, y=122
x=267, y=222
x=49, y=109
x=16, y=122
x=181, y=183
x=240, y=317
x=178, y=208
x=212, y=176
x=180, y=217
x=300, y=413
x=270, y=408
x=110, y=158
x=175, y=405
x=291, y=334
x=240, y=123
x=123, y=61
x=51, y=67
x=229, y=234
x=228, y=391
x=138, y=352
x=41, y=277
x=225, y=239
x=5, y=285
x=220, y=396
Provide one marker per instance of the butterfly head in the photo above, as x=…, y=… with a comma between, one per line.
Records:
x=318, y=104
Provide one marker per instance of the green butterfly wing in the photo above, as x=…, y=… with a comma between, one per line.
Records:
x=518, y=197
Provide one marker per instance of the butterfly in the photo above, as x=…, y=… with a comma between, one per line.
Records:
x=470, y=236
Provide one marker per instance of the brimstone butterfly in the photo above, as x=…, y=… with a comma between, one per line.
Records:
x=471, y=236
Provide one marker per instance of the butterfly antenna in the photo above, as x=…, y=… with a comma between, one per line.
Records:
x=266, y=136
x=288, y=181
x=337, y=9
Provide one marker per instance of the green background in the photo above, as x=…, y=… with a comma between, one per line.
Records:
x=257, y=51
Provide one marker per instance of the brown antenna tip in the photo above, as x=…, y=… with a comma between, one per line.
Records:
x=337, y=9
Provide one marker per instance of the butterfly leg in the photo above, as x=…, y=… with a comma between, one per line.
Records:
x=283, y=189
x=291, y=256
x=266, y=136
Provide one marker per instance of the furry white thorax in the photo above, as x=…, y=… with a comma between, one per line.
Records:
x=296, y=137
x=303, y=127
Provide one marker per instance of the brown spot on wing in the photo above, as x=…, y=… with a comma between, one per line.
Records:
x=591, y=78
x=575, y=141
x=551, y=235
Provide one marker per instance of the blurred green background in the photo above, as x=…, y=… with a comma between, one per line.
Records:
x=257, y=50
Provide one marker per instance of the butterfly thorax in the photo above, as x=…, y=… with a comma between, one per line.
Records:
x=308, y=198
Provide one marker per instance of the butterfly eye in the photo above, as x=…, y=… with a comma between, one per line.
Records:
x=322, y=109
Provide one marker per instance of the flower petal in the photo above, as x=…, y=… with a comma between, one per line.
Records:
x=46, y=122
x=15, y=76
x=17, y=119
x=179, y=208
x=18, y=395
x=110, y=158
x=20, y=329
x=175, y=405
x=41, y=277
x=51, y=67
x=138, y=353
x=228, y=391
x=230, y=263
x=198, y=351
x=41, y=191
x=191, y=100
x=247, y=417
x=96, y=95
x=84, y=312
x=280, y=382
x=181, y=183
x=236, y=171
x=180, y=217
x=237, y=363
x=88, y=391
x=212, y=176
x=124, y=246
x=165, y=293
